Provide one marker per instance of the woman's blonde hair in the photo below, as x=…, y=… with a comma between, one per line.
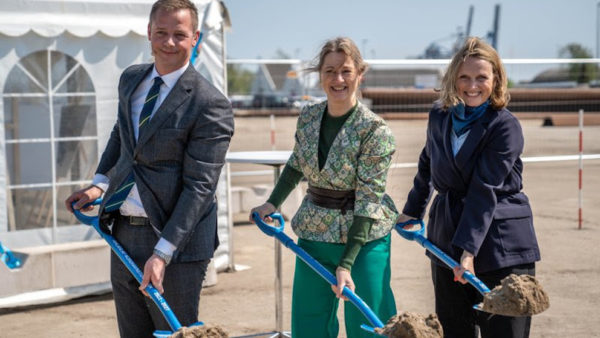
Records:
x=341, y=45
x=477, y=48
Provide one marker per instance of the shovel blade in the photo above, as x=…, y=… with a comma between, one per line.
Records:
x=478, y=307
x=167, y=334
x=162, y=334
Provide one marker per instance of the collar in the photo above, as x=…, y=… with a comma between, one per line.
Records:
x=341, y=117
x=171, y=78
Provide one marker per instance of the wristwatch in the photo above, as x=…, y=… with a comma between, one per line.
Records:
x=164, y=256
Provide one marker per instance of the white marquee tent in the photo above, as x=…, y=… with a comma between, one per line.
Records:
x=60, y=61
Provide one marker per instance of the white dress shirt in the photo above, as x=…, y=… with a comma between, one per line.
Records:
x=133, y=206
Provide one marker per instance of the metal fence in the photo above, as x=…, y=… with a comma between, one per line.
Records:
x=408, y=86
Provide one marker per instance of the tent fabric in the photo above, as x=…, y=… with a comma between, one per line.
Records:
x=104, y=37
x=114, y=18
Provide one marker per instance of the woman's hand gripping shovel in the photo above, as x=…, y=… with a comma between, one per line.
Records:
x=160, y=302
x=505, y=299
x=278, y=233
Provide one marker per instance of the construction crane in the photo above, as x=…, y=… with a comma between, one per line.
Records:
x=492, y=36
x=435, y=50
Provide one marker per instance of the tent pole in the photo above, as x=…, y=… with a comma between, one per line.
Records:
x=224, y=59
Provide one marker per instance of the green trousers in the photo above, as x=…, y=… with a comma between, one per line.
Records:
x=314, y=305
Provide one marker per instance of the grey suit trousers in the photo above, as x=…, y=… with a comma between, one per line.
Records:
x=182, y=285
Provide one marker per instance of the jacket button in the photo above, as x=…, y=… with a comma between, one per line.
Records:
x=134, y=162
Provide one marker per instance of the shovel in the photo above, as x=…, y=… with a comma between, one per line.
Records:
x=417, y=236
x=496, y=294
x=160, y=302
x=9, y=258
x=278, y=233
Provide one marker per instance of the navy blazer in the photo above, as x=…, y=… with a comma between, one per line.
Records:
x=176, y=160
x=479, y=205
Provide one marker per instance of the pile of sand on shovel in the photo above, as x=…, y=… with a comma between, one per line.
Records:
x=412, y=325
x=200, y=332
x=517, y=295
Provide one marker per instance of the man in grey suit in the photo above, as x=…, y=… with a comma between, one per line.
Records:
x=159, y=174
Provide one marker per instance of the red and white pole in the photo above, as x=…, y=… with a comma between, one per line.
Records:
x=580, y=167
x=272, y=132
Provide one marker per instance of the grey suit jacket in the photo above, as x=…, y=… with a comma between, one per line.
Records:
x=176, y=161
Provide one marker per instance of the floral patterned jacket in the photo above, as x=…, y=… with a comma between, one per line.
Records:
x=358, y=160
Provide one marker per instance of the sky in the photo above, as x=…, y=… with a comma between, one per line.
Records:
x=399, y=29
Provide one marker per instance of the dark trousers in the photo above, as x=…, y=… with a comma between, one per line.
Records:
x=137, y=315
x=454, y=305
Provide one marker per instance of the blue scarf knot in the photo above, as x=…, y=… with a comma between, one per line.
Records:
x=464, y=116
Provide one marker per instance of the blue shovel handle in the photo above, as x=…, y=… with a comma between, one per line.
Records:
x=278, y=233
x=160, y=302
x=6, y=256
x=85, y=219
x=417, y=236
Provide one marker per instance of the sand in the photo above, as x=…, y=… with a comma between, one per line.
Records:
x=412, y=325
x=200, y=332
x=521, y=295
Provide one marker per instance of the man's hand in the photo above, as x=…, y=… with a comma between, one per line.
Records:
x=466, y=263
x=83, y=197
x=154, y=272
x=344, y=279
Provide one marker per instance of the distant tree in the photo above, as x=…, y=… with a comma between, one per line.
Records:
x=510, y=83
x=580, y=72
x=239, y=80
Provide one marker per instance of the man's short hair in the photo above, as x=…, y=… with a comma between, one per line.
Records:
x=173, y=5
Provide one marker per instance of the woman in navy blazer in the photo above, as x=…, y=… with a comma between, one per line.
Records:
x=479, y=216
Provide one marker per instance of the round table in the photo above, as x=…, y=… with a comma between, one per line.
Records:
x=276, y=159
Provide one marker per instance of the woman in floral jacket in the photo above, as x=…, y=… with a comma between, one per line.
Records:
x=344, y=151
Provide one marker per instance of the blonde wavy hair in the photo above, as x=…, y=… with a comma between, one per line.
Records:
x=477, y=48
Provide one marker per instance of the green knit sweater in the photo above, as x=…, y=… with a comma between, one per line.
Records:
x=289, y=179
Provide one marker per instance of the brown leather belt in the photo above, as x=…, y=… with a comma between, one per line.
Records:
x=135, y=220
x=331, y=199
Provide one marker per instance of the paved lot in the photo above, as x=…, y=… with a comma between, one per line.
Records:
x=243, y=302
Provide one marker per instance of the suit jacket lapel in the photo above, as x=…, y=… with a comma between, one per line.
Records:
x=342, y=139
x=177, y=95
x=130, y=87
x=315, y=135
x=447, y=141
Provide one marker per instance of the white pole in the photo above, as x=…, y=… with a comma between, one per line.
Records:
x=230, y=247
x=224, y=59
x=598, y=30
x=580, y=167
x=52, y=153
x=272, y=119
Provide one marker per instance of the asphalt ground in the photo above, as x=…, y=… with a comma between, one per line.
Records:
x=243, y=302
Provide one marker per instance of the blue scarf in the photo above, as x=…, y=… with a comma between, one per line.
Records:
x=464, y=116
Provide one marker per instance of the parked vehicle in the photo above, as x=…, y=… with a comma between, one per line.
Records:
x=270, y=101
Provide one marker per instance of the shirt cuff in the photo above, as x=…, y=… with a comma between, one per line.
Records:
x=101, y=181
x=165, y=247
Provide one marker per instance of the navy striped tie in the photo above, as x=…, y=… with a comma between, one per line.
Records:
x=119, y=196
x=149, y=103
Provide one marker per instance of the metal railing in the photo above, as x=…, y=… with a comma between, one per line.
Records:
x=408, y=86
